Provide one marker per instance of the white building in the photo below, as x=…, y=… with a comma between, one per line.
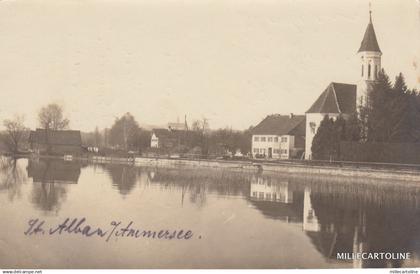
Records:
x=345, y=99
x=262, y=189
x=337, y=99
x=164, y=138
x=279, y=137
x=154, y=141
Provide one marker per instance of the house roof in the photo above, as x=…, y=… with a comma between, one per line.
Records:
x=177, y=126
x=166, y=133
x=369, y=42
x=161, y=132
x=56, y=137
x=281, y=125
x=336, y=98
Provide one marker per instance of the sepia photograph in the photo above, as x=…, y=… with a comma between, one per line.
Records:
x=209, y=134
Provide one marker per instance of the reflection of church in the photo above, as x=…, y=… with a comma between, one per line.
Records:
x=341, y=222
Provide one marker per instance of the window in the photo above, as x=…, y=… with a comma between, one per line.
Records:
x=261, y=195
x=284, y=151
x=369, y=71
x=256, y=150
x=270, y=139
x=374, y=71
x=312, y=125
x=262, y=139
x=276, y=151
x=377, y=71
x=254, y=194
x=283, y=139
x=362, y=70
x=276, y=139
x=268, y=196
x=256, y=139
x=262, y=150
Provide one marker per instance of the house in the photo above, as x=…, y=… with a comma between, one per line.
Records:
x=346, y=99
x=337, y=99
x=279, y=137
x=167, y=138
x=56, y=142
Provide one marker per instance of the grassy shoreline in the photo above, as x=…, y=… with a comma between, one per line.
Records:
x=391, y=171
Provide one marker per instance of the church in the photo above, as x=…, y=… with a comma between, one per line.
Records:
x=344, y=99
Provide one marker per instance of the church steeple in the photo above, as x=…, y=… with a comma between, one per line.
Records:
x=369, y=42
x=370, y=58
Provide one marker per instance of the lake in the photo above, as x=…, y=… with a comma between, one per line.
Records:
x=238, y=219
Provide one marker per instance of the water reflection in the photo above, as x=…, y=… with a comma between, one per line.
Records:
x=339, y=220
x=12, y=176
x=197, y=184
x=50, y=178
x=276, y=199
x=346, y=225
x=329, y=216
x=123, y=177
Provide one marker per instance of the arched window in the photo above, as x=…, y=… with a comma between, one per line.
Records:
x=369, y=71
x=374, y=72
x=362, y=70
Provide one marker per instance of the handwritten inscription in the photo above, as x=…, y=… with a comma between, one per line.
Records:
x=80, y=227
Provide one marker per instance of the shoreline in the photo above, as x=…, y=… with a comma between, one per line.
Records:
x=352, y=170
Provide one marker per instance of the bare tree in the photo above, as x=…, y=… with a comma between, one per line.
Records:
x=12, y=176
x=51, y=117
x=201, y=125
x=15, y=133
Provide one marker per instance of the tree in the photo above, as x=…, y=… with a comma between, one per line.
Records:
x=392, y=114
x=353, y=129
x=400, y=107
x=51, y=117
x=125, y=132
x=97, y=137
x=322, y=144
x=399, y=84
x=15, y=133
x=378, y=112
x=200, y=138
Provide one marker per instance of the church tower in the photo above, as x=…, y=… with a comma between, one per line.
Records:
x=370, y=57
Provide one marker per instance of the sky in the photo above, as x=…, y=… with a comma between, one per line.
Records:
x=231, y=61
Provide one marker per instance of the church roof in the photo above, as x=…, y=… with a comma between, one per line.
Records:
x=277, y=124
x=336, y=98
x=369, y=42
